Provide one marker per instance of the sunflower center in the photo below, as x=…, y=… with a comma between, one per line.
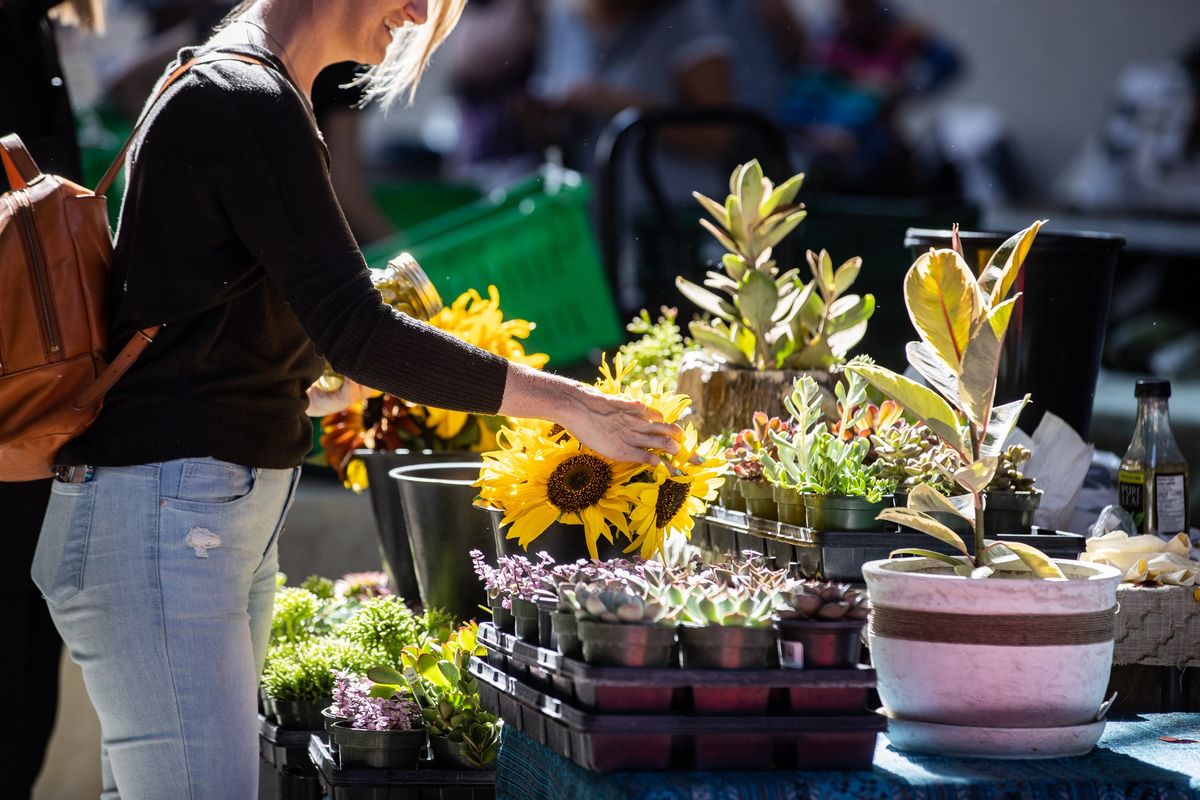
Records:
x=671, y=497
x=579, y=482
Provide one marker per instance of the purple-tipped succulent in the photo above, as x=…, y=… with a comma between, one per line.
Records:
x=829, y=602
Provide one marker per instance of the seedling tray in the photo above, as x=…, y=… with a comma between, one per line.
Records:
x=386, y=784
x=839, y=555
x=616, y=690
x=283, y=748
x=616, y=742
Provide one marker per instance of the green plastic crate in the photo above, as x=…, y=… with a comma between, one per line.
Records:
x=534, y=243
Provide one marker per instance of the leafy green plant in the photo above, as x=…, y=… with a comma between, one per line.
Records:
x=296, y=616
x=304, y=670
x=436, y=624
x=383, y=626
x=962, y=321
x=659, y=350
x=321, y=587
x=761, y=318
x=438, y=676
x=791, y=465
x=1009, y=477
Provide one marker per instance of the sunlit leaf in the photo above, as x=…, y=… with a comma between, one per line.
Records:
x=712, y=207
x=924, y=359
x=1036, y=560
x=783, y=195
x=1005, y=264
x=385, y=674
x=846, y=274
x=713, y=341
x=982, y=572
x=933, y=554
x=720, y=236
x=706, y=300
x=975, y=477
x=921, y=401
x=981, y=363
x=943, y=302
x=750, y=190
x=1000, y=425
x=925, y=498
x=925, y=524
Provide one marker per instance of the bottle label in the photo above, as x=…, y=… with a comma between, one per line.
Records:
x=1132, y=495
x=1170, y=503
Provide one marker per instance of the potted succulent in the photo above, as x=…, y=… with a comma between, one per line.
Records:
x=764, y=322
x=462, y=734
x=912, y=455
x=373, y=730
x=1010, y=500
x=725, y=627
x=499, y=597
x=622, y=623
x=938, y=621
x=787, y=463
x=820, y=625
x=747, y=457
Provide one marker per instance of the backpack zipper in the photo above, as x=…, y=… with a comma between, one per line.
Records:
x=34, y=251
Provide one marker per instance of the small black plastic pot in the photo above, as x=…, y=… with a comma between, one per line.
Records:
x=820, y=644
x=731, y=498
x=525, y=620
x=1010, y=513
x=837, y=513
x=502, y=617
x=608, y=644
x=728, y=647
x=790, y=503
x=301, y=715
x=952, y=521
x=266, y=705
x=545, y=627
x=377, y=749
x=448, y=755
x=760, y=499
x=566, y=634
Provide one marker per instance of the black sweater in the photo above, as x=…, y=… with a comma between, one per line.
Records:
x=230, y=235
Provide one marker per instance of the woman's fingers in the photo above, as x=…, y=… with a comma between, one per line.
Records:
x=664, y=443
x=673, y=432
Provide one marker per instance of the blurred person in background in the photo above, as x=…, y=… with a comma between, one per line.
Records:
x=36, y=106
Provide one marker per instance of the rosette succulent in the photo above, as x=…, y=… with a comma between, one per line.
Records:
x=1009, y=477
x=829, y=602
x=913, y=456
x=749, y=446
x=725, y=606
x=627, y=600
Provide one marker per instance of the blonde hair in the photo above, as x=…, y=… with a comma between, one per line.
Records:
x=85, y=14
x=399, y=74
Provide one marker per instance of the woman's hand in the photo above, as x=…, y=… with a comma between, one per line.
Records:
x=623, y=430
x=321, y=402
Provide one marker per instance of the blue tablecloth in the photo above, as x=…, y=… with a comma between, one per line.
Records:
x=1130, y=762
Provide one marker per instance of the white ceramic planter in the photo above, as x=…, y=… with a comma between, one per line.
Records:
x=998, y=658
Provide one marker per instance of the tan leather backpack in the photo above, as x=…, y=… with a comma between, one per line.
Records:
x=55, y=257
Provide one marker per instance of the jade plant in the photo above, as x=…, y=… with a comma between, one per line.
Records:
x=1009, y=477
x=825, y=602
x=962, y=321
x=762, y=318
x=437, y=674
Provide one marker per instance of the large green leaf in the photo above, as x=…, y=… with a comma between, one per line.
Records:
x=1041, y=564
x=975, y=477
x=706, y=300
x=924, y=498
x=920, y=400
x=1005, y=264
x=1000, y=425
x=385, y=674
x=757, y=299
x=750, y=189
x=783, y=195
x=925, y=524
x=846, y=274
x=943, y=302
x=925, y=360
x=714, y=342
x=923, y=553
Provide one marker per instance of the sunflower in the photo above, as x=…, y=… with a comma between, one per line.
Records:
x=538, y=481
x=670, y=501
x=652, y=393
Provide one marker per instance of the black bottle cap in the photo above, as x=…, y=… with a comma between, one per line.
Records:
x=1152, y=387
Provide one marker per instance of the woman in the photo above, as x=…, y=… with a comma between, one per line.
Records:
x=158, y=554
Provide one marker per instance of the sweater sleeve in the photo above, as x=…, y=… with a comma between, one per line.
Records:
x=275, y=186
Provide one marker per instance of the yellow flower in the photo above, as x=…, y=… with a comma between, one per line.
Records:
x=538, y=481
x=670, y=502
x=653, y=393
x=481, y=323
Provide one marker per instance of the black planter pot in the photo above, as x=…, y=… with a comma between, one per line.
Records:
x=817, y=644
x=330, y=716
x=615, y=645
x=564, y=543
x=525, y=620
x=566, y=634
x=388, y=509
x=1009, y=513
x=448, y=755
x=728, y=647
x=952, y=521
x=502, y=617
x=377, y=749
x=545, y=609
x=790, y=506
x=731, y=498
x=266, y=705
x=443, y=526
x=835, y=513
x=1056, y=335
x=760, y=499
x=301, y=715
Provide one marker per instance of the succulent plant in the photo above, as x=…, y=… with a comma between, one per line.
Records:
x=745, y=454
x=726, y=606
x=760, y=318
x=913, y=456
x=626, y=601
x=304, y=670
x=321, y=587
x=383, y=626
x=856, y=416
x=659, y=351
x=790, y=463
x=1008, y=476
x=822, y=601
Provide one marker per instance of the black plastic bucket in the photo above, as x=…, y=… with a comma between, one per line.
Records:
x=385, y=503
x=1056, y=335
x=443, y=526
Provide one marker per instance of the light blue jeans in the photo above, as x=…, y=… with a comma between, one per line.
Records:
x=161, y=580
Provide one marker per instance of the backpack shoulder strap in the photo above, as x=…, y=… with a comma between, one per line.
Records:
x=115, y=167
x=18, y=164
x=119, y=366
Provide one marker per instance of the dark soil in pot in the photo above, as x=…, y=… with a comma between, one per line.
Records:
x=301, y=715
x=760, y=499
x=836, y=513
x=378, y=749
x=566, y=634
x=617, y=645
x=525, y=620
x=821, y=644
x=1010, y=513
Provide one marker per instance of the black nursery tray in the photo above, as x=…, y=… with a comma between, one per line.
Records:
x=628, y=690
x=283, y=748
x=385, y=784
x=839, y=555
x=616, y=742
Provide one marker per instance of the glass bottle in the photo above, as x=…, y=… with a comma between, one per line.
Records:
x=1153, y=481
